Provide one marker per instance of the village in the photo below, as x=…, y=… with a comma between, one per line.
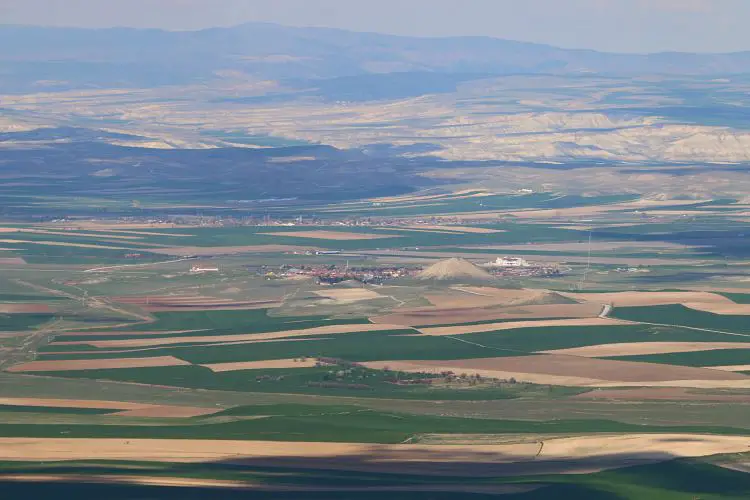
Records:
x=330, y=274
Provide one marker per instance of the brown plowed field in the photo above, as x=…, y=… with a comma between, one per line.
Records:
x=71, y=403
x=153, y=411
x=24, y=308
x=12, y=261
x=161, y=303
x=96, y=364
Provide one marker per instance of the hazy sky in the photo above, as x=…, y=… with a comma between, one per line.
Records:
x=612, y=25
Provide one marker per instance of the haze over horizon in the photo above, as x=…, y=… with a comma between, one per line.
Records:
x=605, y=25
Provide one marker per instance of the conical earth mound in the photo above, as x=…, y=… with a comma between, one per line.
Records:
x=454, y=269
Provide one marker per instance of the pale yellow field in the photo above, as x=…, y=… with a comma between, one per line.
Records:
x=573, y=371
x=591, y=452
x=730, y=308
x=96, y=364
x=642, y=348
x=512, y=325
x=731, y=368
x=466, y=193
x=229, y=250
x=635, y=299
x=331, y=235
x=68, y=233
x=64, y=244
x=262, y=365
x=71, y=403
x=459, y=229
x=219, y=339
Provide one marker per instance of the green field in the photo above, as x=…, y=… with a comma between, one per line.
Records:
x=683, y=316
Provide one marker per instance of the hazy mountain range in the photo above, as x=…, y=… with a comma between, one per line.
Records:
x=52, y=58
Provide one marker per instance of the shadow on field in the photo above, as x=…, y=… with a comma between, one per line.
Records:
x=404, y=474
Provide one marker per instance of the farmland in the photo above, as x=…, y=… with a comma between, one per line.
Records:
x=349, y=331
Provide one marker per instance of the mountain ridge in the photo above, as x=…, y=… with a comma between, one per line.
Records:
x=132, y=57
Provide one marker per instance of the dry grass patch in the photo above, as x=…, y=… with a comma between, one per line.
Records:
x=331, y=235
x=263, y=365
x=348, y=295
x=661, y=394
x=644, y=348
x=96, y=364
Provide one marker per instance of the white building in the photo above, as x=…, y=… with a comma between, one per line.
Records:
x=508, y=262
x=198, y=269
